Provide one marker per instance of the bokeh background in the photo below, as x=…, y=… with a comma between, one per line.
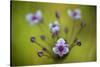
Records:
x=23, y=52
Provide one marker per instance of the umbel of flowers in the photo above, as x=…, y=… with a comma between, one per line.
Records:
x=61, y=47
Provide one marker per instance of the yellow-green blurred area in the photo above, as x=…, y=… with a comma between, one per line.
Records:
x=24, y=52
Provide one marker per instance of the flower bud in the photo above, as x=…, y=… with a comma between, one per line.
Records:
x=44, y=49
x=32, y=39
x=40, y=53
x=83, y=24
x=57, y=14
x=42, y=37
x=77, y=42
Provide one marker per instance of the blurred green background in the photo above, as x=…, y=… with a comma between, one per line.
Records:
x=23, y=52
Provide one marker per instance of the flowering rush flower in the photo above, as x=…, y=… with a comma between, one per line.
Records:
x=54, y=27
x=34, y=18
x=75, y=14
x=61, y=47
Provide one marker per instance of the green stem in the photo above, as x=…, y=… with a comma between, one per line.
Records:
x=47, y=51
x=42, y=30
x=77, y=33
x=48, y=56
x=73, y=28
x=71, y=46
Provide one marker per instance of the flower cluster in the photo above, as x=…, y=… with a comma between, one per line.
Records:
x=61, y=46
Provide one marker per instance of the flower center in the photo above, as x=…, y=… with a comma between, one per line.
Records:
x=74, y=13
x=61, y=48
x=34, y=18
x=53, y=25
